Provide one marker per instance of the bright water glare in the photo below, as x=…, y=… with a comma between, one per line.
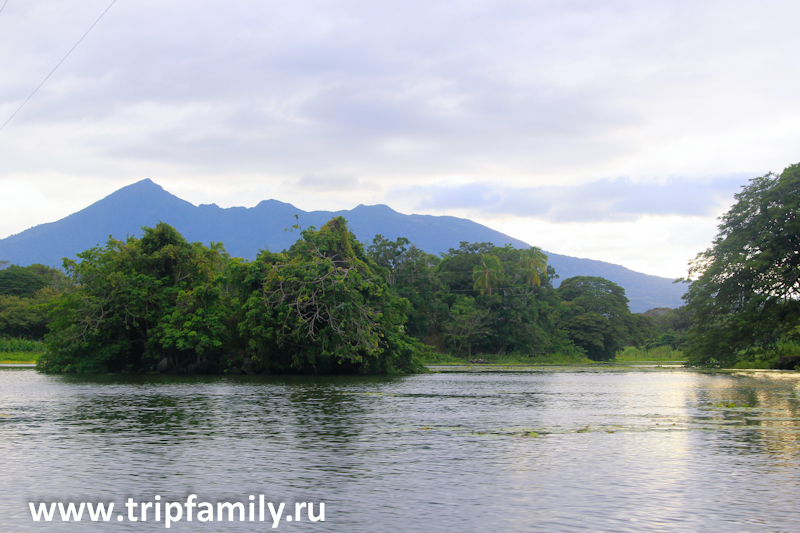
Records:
x=554, y=451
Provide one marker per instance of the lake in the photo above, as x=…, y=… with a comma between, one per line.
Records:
x=610, y=449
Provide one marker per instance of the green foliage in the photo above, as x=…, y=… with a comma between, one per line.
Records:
x=136, y=302
x=766, y=356
x=19, y=357
x=25, y=282
x=488, y=274
x=456, y=269
x=325, y=306
x=25, y=316
x=556, y=358
x=659, y=353
x=533, y=265
x=596, y=316
x=418, y=282
x=667, y=319
x=389, y=255
x=436, y=358
x=410, y=273
x=671, y=327
x=13, y=344
x=745, y=292
x=515, y=312
x=480, y=298
x=753, y=365
x=468, y=324
x=23, y=291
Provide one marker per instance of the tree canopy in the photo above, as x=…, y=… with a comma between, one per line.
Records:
x=137, y=302
x=745, y=288
x=328, y=304
x=324, y=306
x=23, y=292
x=160, y=302
x=596, y=316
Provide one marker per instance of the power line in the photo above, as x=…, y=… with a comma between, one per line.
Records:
x=59, y=63
x=4, y=5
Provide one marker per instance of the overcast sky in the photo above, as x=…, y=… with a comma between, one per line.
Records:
x=612, y=130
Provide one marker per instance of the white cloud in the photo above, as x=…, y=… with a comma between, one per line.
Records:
x=619, y=199
x=237, y=102
x=658, y=245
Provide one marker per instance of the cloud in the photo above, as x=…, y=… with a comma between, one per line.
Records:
x=327, y=183
x=619, y=199
x=546, y=89
x=332, y=104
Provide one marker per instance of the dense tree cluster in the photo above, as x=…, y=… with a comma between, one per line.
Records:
x=328, y=304
x=480, y=298
x=324, y=305
x=160, y=303
x=132, y=304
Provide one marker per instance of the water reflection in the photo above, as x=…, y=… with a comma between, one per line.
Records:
x=545, y=451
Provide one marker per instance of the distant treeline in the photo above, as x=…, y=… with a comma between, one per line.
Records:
x=23, y=293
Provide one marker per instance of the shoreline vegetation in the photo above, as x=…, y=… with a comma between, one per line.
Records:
x=628, y=355
x=332, y=305
x=20, y=351
x=662, y=354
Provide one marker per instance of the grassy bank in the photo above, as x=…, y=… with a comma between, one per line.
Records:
x=18, y=358
x=659, y=354
x=505, y=359
x=15, y=350
x=628, y=355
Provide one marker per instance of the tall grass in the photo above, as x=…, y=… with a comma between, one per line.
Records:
x=508, y=359
x=767, y=357
x=19, y=357
x=11, y=344
x=659, y=353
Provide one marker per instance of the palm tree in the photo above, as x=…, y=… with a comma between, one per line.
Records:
x=534, y=266
x=488, y=274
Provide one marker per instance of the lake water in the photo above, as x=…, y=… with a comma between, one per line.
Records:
x=551, y=451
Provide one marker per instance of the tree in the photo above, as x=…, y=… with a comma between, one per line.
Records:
x=488, y=274
x=137, y=302
x=457, y=266
x=671, y=326
x=25, y=281
x=388, y=254
x=323, y=306
x=595, y=314
x=533, y=263
x=467, y=326
x=416, y=281
x=23, y=291
x=745, y=288
x=24, y=317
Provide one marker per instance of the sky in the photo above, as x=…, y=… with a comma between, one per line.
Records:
x=616, y=130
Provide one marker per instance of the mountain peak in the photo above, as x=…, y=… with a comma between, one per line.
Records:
x=377, y=208
x=141, y=186
x=244, y=231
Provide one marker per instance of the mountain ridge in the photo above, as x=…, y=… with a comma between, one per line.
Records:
x=245, y=230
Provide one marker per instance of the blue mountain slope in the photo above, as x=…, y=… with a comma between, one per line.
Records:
x=246, y=230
